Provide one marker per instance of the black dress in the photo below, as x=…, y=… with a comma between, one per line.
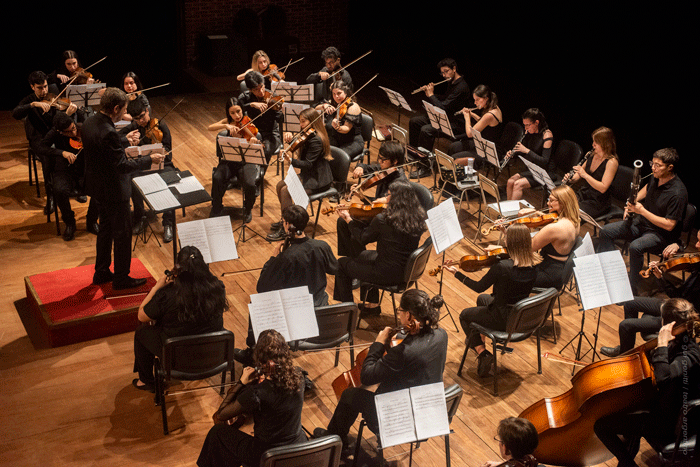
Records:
x=591, y=201
x=538, y=154
x=350, y=142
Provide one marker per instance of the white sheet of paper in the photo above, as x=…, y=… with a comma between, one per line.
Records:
x=602, y=279
x=162, y=200
x=395, y=415
x=443, y=225
x=213, y=237
x=616, y=276
x=586, y=247
x=188, y=185
x=266, y=312
x=298, y=304
x=430, y=410
x=296, y=189
x=150, y=183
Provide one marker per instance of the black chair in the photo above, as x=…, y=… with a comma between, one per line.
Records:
x=319, y=452
x=192, y=358
x=525, y=319
x=453, y=396
x=619, y=191
x=234, y=182
x=683, y=450
x=566, y=155
x=367, y=131
x=415, y=267
x=336, y=324
x=425, y=197
x=340, y=165
x=568, y=276
x=512, y=133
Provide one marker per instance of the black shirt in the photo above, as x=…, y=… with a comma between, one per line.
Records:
x=669, y=201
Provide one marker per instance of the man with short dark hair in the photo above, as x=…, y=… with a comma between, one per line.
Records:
x=331, y=60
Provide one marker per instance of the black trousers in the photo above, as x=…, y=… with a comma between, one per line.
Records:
x=227, y=446
x=147, y=344
x=115, y=231
x=648, y=323
x=248, y=175
x=353, y=401
x=480, y=314
x=632, y=427
x=64, y=183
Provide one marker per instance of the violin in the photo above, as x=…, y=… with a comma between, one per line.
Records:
x=565, y=423
x=532, y=221
x=81, y=76
x=473, y=263
x=299, y=139
x=273, y=73
x=60, y=103
x=153, y=131
x=265, y=370
x=247, y=129
x=371, y=181
x=358, y=210
x=351, y=378
x=677, y=263
x=273, y=102
x=76, y=142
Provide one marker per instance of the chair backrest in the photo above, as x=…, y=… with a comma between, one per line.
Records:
x=425, y=197
x=219, y=155
x=340, y=165
x=199, y=356
x=488, y=186
x=418, y=261
x=366, y=127
x=336, y=324
x=567, y=154
x=447, y=163
x=569, y=264
x=319, y=452
x=529, y=314
x=512, y=133
x=620, y=186
x=453, y=396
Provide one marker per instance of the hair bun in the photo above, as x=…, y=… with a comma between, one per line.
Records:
x=437, y=302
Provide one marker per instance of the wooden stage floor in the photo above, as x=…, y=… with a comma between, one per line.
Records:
x=75, y=405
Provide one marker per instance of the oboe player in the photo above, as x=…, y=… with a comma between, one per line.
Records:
x=659, y=211
x=536, y=146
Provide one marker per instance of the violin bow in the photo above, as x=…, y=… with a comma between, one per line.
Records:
x=290, y=63
x=344, y=67
x=560, y=359
x=74, y=78
x=147, y=89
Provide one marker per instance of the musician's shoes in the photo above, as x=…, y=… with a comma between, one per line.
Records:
x=485, y=364
x=50, y=206
x=102, y=277
x=276, y=236
x=356, y=283
x=275, y=226
x=321, y=432
x=248, y=217
x=69, y=232
x=167, y=233
x=139, y=227
x=143, y=387
x=610, y=351
x=93, y=227
x=216, y=212
x=128, y=283
x=369, y=310
x=244, y=356
x=422, y=172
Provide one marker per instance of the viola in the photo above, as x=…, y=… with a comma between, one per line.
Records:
x=565, y=423
x=247, y=129
x=358, y=210
x=473, y=263
x=677, y=263
x=60, y=103
x=532, y=221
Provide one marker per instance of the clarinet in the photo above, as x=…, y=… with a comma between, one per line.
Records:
x=507, y=158
x=634, y=188
x=571, y=173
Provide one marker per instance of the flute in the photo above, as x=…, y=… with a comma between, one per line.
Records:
x=422, y=88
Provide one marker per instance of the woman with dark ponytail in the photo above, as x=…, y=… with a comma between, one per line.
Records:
x=418, y=360
x=187, y=301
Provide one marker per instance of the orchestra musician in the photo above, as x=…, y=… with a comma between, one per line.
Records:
x=596, y=174
x=512, y=280
x=314, y=155
x=298, y=261
x=273, y=396
x=517, y=440
x=343, y=120
x=149, y=133
x=676, y=364
x=488, y=120
x=331, y=60
x=38, y=113
x=62, y=148
x=456, y=97
x=69, y=66
x=650, y=307
x=658, y=215
x=108, y=180
x=417, y=360
x=131, y=85
x=397, y=231
x=189, y=300
x=536, y=146
x=260, y=63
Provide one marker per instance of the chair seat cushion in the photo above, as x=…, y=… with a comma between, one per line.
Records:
x=500, y=336
x=323, y=194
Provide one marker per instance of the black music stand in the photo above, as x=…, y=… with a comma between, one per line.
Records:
x=85, y=95
x=398, y=100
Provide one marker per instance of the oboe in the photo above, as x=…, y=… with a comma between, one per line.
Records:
x=507, y=157
x=571, y=173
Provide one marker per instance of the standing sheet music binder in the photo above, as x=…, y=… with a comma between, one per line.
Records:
x=443, y=226
x=293, y=92
x=485, y=149
x=412, y=414
x=438, y=119
x=539, y=174
x=213, y=238
x=85, y=95
x=240, y=150
x=398, y=100
x=288, y=311
x=134, y=152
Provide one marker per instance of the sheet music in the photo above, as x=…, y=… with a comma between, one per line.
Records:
x=430, y=410
x=291, y=116
x=616, y=276
x=485, y=148
x=292, y=91
x=84, y=95
x=238, y=149
x=443, y=225
x=151, y=183
x=188, y=185
x=300, y=303
x=162, y=200
x=602, y=279
x=135, y=152
x=395, y=416
x=213, y=237
x=438, y=119
x=586, y=247
x=296, y=189
x=539, y=174
x=396, y=98
x=266, y=312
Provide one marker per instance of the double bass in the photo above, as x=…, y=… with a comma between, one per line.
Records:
x=565, y=423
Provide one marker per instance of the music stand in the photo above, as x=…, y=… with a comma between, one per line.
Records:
x=485, y=149
x=540, y=175
x=84, y=95
x=240, y=150
x=293, y=92
x=291, y=123
x=136, y=152
x=398, y=100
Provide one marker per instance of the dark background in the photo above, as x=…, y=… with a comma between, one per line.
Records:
x=584, y=65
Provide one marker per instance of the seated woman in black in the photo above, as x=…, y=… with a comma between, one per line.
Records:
x=313, y=159
x=517, y=440
x=343, y=120
x=419, y=359
x=536, y=146
x=274, y=397
x=189, y=301
x=595, y=174
x=676, y=362
x=397, y=231
x=488, y=120
x=512, y=280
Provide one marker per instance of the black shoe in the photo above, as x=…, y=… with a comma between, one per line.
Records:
x=50, y=206
x=422, y=172
x=610, y=351
x=81, y=198
x=320, y=432
x=144, y=387
x=216, y=212
x=244, y=356
x=167, y=233
x=356, y=284
x=248, y=217
x=139, y=227
x=69, y=232
x=93, y=227
x=128, y=283
x=275, y=226
x=485, y=364
x=276, y=236
x=102, y=277
x=369, y=311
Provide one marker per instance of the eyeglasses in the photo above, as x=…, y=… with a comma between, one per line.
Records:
x=496, y=438
x=655, y=165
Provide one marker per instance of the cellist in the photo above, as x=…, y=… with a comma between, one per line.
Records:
x=419, y=359
x=676, y=363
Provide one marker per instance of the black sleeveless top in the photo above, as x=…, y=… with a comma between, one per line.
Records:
x=592, y=201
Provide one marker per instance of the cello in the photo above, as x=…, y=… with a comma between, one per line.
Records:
x=606, y=387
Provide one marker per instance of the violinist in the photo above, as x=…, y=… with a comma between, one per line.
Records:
x=536, y=146
x=658, y=215
x=70, y=65
x=274, y=397
x=512, y=280
x=418, y=360
x=331, y=59
x=261, y=63
x=312, y=162
x=676, y=364
x=131, y=85
x=38, y=113
x=650, y=307
x=149, y=132
x=397, y=231
x=487, y=119
x=343, y=121
x=517, y=440
x=595, y=174
x=189, y=300
x=62, y=148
